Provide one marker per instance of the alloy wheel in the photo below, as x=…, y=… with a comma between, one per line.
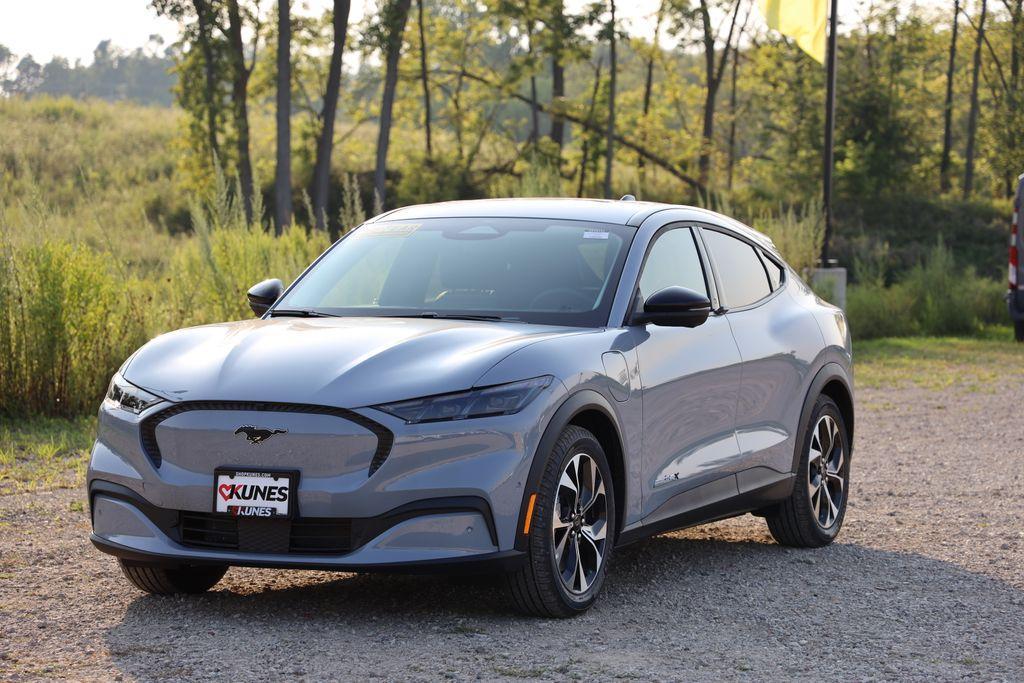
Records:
x=579, y=523
x=826, y=461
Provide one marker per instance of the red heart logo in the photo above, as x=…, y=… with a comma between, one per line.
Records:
x=226, y=491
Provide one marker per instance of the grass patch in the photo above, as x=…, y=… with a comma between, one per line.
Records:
x=940, y=362
x=42, y=453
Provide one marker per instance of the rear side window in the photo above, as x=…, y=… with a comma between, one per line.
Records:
x=740, y=269
x=673, y=261
x=774, y=271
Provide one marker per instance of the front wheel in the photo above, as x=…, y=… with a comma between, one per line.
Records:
x=813, y=514
x=571, y=530
x=160, y=580
x=1018, y=330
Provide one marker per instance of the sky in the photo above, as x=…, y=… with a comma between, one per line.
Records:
x=72, y=28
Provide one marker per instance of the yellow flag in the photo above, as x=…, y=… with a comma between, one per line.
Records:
x=802, y=20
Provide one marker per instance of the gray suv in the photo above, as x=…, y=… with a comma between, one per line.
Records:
x=513, y=386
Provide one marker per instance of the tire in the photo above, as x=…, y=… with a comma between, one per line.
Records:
x=540, y=587
x=1018, y=330
x=795, y=522
x=160, y=580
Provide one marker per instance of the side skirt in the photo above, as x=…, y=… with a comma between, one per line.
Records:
x=750, y=501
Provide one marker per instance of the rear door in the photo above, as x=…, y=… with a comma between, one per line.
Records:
x=777, y=340
x=690, y=379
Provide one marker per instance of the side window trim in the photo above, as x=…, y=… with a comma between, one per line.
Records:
x=710, y=280
x=769, y=259
x=725, y=308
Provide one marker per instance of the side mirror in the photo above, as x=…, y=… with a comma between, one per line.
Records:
x=262, y=295
x=674, y=307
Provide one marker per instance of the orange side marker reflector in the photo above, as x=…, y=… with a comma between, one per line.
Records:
x=529, y=514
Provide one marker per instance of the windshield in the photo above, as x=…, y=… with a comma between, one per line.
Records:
x=527, y=269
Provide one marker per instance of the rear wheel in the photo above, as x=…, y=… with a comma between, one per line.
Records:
x=813, y=514
x=160, y=580
x=571, y=530
x=1018, y=330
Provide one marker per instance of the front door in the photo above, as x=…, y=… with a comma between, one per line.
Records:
x=690, y=379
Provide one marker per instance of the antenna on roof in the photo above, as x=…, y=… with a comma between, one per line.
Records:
x=628, y=198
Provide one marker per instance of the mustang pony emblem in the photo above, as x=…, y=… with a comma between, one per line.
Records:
x=256, y=436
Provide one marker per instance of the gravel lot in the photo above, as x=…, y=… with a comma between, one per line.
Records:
x=925, y=582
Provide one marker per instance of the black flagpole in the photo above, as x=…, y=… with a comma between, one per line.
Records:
x=830, y=129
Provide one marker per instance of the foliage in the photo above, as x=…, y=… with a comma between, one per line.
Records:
x=798, y=234
x=934, y=298
x=70, y=314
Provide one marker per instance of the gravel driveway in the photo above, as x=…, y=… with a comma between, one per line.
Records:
x=925, y=582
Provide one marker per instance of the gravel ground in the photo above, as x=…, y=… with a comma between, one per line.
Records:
x=924, y=583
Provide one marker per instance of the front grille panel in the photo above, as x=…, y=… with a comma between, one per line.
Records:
x=385, y=438
x=202, y=530
x=305, y=535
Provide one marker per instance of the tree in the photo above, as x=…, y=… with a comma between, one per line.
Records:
x=609, y=151
x=424, y=80
x=947, y=110
x=325, y=139
x=972, y=117
x=654, y=50
x=395, y=16
x=240, y=72
x=283, y=171
x=714, y=70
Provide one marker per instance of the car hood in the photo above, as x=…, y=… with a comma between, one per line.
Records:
x=343, y=362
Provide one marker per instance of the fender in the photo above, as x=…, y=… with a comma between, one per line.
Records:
x=587, y=399
x=828, y=372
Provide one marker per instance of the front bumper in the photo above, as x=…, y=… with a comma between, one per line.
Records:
x=448, y=534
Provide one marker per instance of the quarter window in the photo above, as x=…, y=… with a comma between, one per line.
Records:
x=673, y=261
x=774, y=271
x=740, y=270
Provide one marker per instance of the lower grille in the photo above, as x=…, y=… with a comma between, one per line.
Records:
x=305, y=535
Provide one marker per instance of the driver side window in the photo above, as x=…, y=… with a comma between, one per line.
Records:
x=673, y=261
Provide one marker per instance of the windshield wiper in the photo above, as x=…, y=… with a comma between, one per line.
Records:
x=298, y=313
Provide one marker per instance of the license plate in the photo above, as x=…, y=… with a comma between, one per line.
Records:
x=256, y=493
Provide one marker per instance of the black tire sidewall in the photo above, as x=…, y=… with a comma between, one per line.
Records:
x=541, y=549
x=824, y=406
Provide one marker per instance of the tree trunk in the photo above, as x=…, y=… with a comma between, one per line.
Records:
x=325, y=142
x=732, y=119
x=972, y=119
x=209, y=71
x=398, y=14
x=641, y=163
x=557, y=132
x=590, y=123
x=713, y=79
x=283, y=172
x=424, y=79
x=609, y=152
x=534, y=102
x=947, y=134
x=239, y=105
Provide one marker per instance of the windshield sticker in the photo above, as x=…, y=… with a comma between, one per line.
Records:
x=595, y=235
x=387, y=230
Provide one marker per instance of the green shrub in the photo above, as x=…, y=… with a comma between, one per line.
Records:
x=67, y=320
x=933, y=299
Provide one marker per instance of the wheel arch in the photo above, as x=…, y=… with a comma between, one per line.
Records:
x=592, y=411
x=832, y=380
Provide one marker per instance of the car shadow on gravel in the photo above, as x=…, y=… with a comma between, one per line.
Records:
x=870, y=604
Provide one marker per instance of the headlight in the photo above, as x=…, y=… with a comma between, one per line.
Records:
x=504, y=399
x=129, y=397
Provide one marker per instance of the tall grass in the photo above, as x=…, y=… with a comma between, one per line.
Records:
x=70, y=313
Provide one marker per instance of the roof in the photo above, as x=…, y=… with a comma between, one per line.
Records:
x=600, y=210
x=631, y=213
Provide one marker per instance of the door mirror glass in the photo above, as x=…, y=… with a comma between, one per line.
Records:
x=262, y=295
x=674, y=307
